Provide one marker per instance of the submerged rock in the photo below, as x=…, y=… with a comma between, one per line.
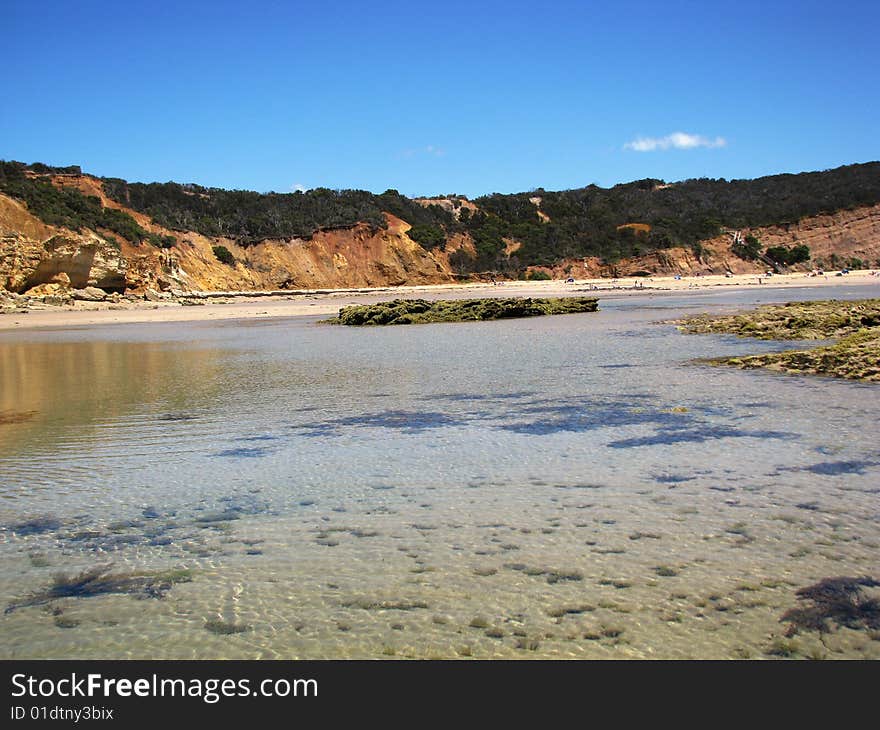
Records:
x=422, y=311
x=36, y=526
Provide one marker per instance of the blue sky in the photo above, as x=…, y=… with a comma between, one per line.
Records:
x=429, y=98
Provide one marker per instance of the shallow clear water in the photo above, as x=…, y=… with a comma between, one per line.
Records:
x=556, y=487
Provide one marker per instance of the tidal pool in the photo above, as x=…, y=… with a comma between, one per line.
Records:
x=558, y=487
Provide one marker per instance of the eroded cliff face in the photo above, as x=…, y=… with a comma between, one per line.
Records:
x=35, y=256
x=360, y=256
x=845, y=234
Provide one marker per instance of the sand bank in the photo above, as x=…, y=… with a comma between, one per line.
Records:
x=217, y=306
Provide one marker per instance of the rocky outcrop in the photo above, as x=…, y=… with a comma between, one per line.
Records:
x=358, y=256
x=856, y=356
x=87, y=260
x=33, y=254
x=422, y=311
x=454, y=206
x=19, y=256
x=816, y=320
x=89, y=294
x=845, y=234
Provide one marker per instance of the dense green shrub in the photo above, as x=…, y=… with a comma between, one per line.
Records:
x=160, y=241
x=748, y=250
x=65, y=206
x=538, y=275
x=224, y=255
x=251, y=217
x=789, y=256
x=428, y=236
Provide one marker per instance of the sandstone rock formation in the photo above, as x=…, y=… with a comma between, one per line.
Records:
x=86, y=259
x=360, y=256
x=34, y=254
x=89, y=294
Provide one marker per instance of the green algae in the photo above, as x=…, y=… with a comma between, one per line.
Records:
x=526, y=644
x=855, y=324
x=225, y=628
x=856, y=357
x=39, y=560
x=815, y=320
x=665, y=571
x=379, y=605
x=100, y=581
x=572, y=610
x=422, y=311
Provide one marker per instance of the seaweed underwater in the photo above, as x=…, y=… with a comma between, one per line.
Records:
x=99, y=581
x=840, y=600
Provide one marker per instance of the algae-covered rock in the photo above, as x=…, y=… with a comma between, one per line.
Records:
x=856, y=325
x=856, y=357
x=422, y=311
x=817, y=320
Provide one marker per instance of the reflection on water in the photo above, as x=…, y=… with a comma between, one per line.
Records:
x=560, y=487
x=68, y=386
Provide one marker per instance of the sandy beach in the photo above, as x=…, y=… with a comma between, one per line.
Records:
x=204, y=306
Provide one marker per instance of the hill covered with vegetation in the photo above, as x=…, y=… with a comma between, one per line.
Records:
x=594, y=221
x=549, y=226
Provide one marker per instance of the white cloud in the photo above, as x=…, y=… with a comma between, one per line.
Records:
x=428, y=150
x=298, y=188
x=676, y=140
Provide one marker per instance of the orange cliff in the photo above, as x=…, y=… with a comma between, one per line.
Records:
x=47, y=259
x=33, y=254
x=839, y=236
